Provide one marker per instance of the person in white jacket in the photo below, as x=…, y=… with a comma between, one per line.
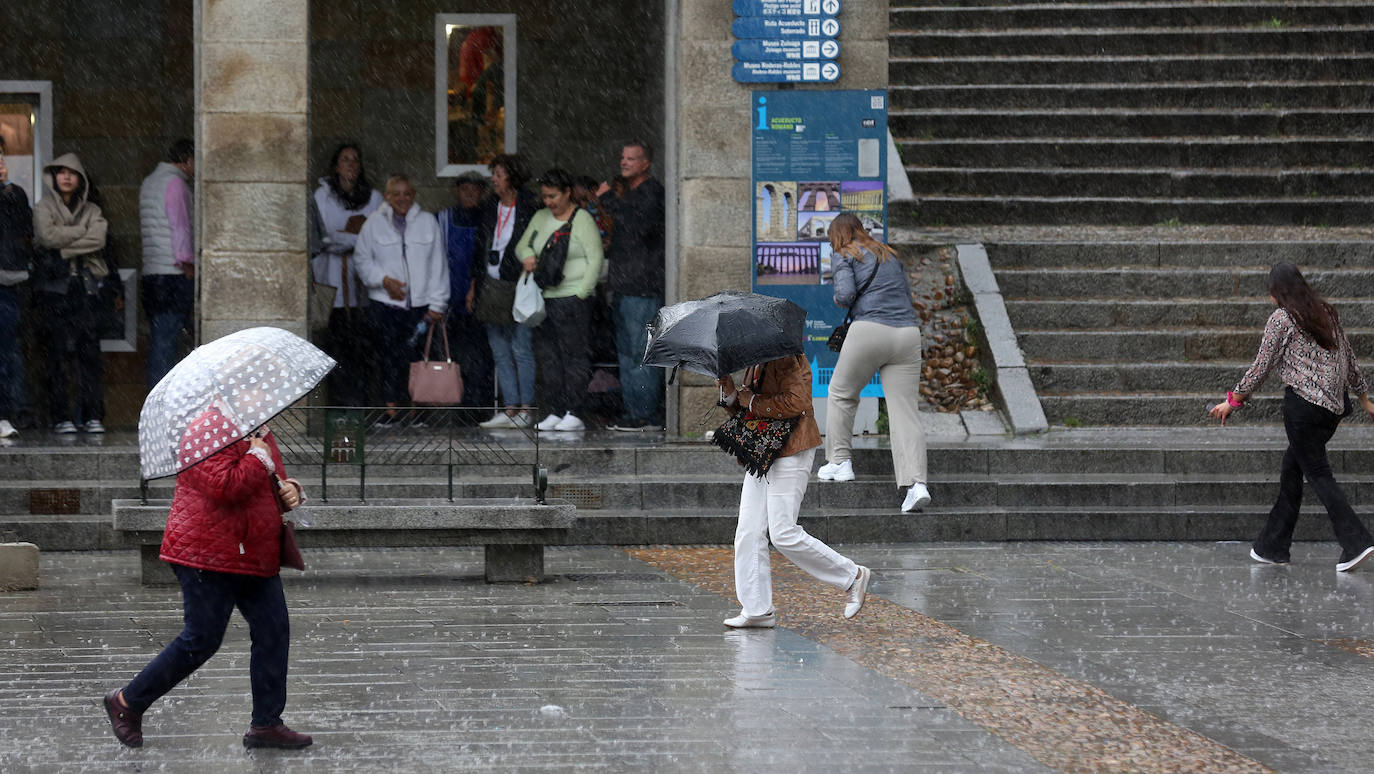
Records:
x=344, y=200
x=400, y=259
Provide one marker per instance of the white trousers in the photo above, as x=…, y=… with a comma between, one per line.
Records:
x=895, y=353
x=768, y=509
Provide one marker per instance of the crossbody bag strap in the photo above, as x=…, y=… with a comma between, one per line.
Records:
x=849, y=310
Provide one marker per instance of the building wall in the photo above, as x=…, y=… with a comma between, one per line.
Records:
x=713, y=151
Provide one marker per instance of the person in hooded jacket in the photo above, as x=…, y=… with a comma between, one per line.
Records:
x=67, y=221
x=223, y=541
x=400, y=258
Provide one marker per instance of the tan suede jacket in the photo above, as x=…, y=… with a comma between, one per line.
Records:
x=783, y=391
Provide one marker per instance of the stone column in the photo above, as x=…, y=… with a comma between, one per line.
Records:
x=252, y=65
x=713, y=152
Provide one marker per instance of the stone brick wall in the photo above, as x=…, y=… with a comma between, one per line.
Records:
x=714, y=152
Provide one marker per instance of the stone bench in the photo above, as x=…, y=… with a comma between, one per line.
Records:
x=513, y=531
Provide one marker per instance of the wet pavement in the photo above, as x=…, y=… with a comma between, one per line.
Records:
x=1016, y=657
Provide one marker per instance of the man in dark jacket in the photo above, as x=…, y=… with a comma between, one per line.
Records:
x=636, y=282
x=461, y=229
x=16, y=240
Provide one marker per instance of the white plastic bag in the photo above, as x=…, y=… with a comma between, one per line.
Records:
x=529, y=301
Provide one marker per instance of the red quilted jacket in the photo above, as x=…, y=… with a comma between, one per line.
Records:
x=225, y=515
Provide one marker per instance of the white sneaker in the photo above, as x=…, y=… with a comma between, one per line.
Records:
x=854, y=597
x=570, y=423
x=917, y=497
x=743, y=621
x=523, y=419
x=93, y=426
x=836, y=471
x=502, y=420
x=550, y=422
x=64, y=428
x=6, y=429
x=1356, y=562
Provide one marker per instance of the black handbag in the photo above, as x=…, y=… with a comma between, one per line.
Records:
x=754, y=441
x=836, y=341
x=548, y=270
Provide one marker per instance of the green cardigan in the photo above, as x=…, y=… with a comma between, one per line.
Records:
x=583, y=267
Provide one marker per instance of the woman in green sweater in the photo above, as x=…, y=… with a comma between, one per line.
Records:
x=562, y=348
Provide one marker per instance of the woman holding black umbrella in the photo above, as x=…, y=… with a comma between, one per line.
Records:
x=1305, y=342
x=769, y=503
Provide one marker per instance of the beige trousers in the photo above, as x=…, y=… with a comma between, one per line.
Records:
x=895, y=353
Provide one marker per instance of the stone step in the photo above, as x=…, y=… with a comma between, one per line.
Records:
x=1155, y=409
x=1155, y=183
x=1172, y=282
x=1073, y=41
x=1134, y=313
x=1249, y=152
x=1198, y=94
x=936, y=211
x=1130, y=377
x=1135, y=346
x=1199, y=252
x=1011, y=16
x=1131, y=122
x=1106, y=68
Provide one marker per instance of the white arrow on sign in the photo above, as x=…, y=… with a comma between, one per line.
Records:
x=830, y=71
x=830, y=49
x=831, y=7
x=830, y=28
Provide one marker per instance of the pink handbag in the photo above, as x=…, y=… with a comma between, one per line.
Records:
x=437, y=382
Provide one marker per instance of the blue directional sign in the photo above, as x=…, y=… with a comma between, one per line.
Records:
x=774, y=50
x=786, y=72
x=787, y=7
x=783, y=27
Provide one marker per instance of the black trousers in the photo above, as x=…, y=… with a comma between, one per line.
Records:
x=563, y=356
x=352, y=341
x=67, y=330
x=1309, y=427
x=467, y=338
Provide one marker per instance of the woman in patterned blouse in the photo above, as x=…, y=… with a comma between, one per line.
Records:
x=1305, y=342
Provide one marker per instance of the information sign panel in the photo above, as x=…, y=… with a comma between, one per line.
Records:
x=778, y=50
x=786, y=72
x=785, y=27
x=787, y=7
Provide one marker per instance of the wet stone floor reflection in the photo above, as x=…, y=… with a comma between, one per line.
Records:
x=1016, y=657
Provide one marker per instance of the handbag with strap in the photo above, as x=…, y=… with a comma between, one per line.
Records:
x=495, y=297
x=836, y=341
x=290, y=549
x=755, y=441
x=438, y=382
x=548, y=270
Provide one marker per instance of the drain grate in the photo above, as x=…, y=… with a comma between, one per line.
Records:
x=54, y=501
x=580, y=495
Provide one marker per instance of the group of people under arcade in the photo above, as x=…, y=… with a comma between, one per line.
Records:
x=397, y=272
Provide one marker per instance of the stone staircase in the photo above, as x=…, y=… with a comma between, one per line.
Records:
x=1136, y=484
x=1152, y=333
x=1134, y=111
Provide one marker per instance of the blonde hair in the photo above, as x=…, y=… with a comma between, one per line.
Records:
x=395, y=180
x=848, y=238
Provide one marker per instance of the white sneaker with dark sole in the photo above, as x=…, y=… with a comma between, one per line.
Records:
x=743, y=621
x=1356, y=562
x=917, y=497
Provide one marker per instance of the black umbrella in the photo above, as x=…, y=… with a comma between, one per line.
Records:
x=724, y=333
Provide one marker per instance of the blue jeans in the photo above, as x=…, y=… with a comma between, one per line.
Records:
x=14, y=393
x=512, y=347
x=168, y=301
x=641, y=387
x=208, y=600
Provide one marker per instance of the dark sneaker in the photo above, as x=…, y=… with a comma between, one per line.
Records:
x=1349, y=563
x=278, y=736
x=126, y=724
x=1257, y=556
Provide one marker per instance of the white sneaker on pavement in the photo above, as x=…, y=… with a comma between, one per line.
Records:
x=1355, y=562
x=64, y=428
x=570, y=423
x=743, y=621
x=500, y=421
x=6, y=429
x=836, y=471
x=854, y=597
x=917, y=497
x=550, y=422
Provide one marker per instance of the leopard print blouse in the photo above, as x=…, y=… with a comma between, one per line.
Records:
x=1318, y=376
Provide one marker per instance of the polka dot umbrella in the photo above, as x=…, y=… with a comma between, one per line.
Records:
x=220, y=393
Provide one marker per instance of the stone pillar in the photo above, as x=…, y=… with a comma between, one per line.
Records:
x=252, y=66
x=713, y=152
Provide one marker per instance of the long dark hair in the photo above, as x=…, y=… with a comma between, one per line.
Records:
x=1313, y=315
x=362, y=189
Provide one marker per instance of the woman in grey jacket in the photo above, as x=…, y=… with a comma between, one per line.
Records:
x=884, y=337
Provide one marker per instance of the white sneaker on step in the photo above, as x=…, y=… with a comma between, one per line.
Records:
x=6, y=429
x=502, y=420
x=550, y=422
x=917, y=497
x=570, y=423
x=743, y=621
x=836, y=471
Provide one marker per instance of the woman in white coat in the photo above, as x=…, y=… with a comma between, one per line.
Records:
x=400, y=260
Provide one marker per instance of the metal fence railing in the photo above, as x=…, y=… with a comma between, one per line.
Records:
x=344, y=443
